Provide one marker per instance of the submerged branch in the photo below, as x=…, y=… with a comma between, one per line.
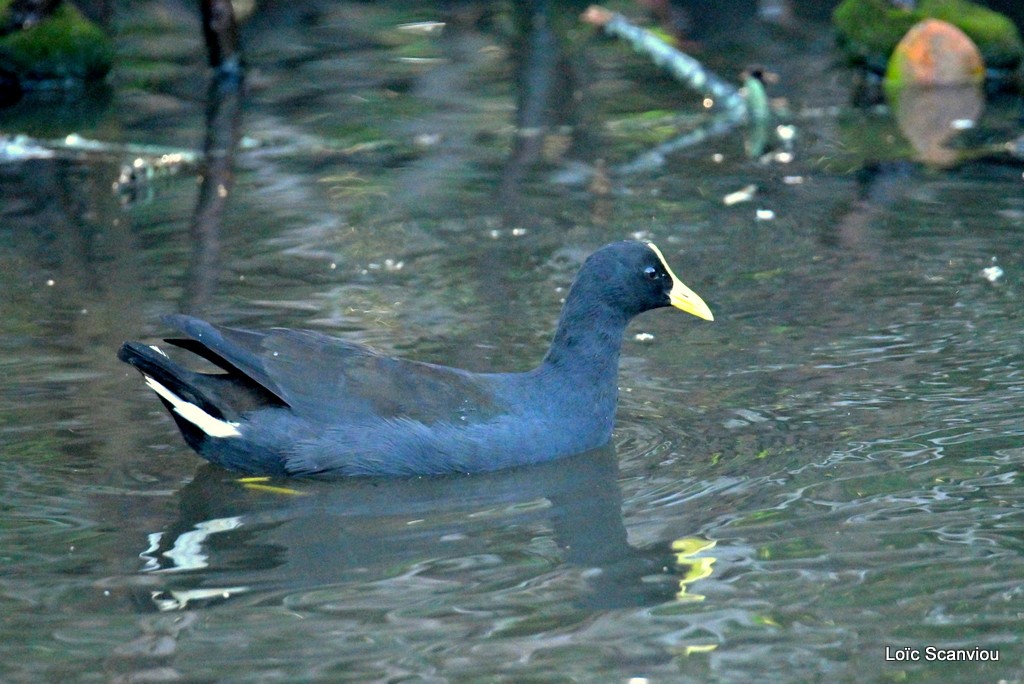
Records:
x=736, y=106
x=655, y=157
x=684, y=68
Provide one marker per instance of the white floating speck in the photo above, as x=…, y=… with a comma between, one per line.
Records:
x=422, y=60
x=718, y=157
x=51, y=282
x=784, y=157
x=785, y=132
x=423, y=27
x=643, y=337
x=992, y=273
x=427, y=139
x=793, y=180
x=744, y=194
x=764, y=215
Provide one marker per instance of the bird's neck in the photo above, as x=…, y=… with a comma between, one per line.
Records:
x=587, y=343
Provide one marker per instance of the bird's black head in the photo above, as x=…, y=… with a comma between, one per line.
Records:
x=634, y=277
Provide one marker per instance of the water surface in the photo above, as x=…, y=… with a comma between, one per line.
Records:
x=830, y=468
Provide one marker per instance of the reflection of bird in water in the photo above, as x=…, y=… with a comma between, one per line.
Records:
x=231, y=540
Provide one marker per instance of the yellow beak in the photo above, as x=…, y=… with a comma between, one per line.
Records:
x=681, y=296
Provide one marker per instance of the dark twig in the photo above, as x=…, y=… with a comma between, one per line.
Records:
x=221, y=34
x=223, y=128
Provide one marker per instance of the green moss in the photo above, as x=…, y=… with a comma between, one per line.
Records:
x=869, y=29
x=65, y=46
x=994, y=34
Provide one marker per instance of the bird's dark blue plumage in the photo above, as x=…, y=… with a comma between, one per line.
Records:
x=296, y=402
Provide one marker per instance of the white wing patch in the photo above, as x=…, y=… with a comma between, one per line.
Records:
x=214, y=427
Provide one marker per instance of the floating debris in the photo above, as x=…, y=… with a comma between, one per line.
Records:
x=764, y=215
x=992, y=273
x=148, y=162
x=744, y=194
x=422, y=27
x=423, y=60
x=135, y=180
x=21, y=147
x=786, y=132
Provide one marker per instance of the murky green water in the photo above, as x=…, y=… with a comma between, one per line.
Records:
x=829, y=469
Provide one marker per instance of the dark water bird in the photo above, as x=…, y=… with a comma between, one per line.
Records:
x=296, y=402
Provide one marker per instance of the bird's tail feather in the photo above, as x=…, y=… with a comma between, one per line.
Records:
x=191, y=401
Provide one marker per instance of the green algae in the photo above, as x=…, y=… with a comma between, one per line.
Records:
x=64, y=47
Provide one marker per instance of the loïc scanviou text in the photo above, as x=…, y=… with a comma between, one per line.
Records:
x=905, y=654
